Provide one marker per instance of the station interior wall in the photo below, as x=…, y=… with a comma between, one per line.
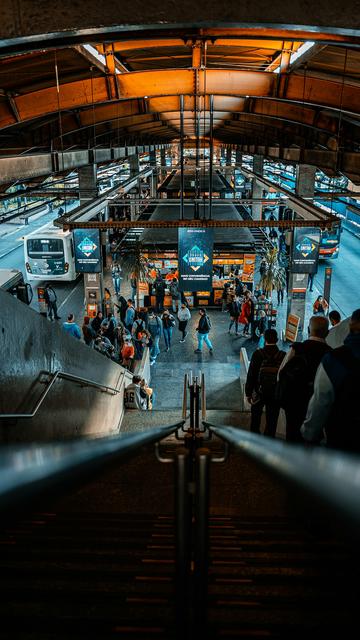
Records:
x=29, y=344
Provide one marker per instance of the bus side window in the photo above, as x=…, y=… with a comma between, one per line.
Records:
x=72, y=247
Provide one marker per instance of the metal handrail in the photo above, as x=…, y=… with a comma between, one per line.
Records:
x=28, y=470
x=66, y=376
x=184, y=405
x=332, y=476
x=203, y=397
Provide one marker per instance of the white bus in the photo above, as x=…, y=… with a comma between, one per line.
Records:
x=49, y=254
x=12, y=281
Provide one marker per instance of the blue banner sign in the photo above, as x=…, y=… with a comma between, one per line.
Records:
x=195, y=253
x=87, y=250
x=305, y=253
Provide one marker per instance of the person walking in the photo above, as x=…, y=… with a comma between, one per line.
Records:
x=129, y=315
x=280, y=294
x=234, y=310
x=333, y=410
x=175, y=294
x=71, y=328
x=320, y=306
x=155, y=330
x=203, y=329
x=245, y=315
x=184, y=316
x=133, y=284
x=159, y=294
x=96, y=322
x=50, y=299
x=116, y=278
x=297, y=374
x=88, y=332
x=260, y=386
x=168, y=322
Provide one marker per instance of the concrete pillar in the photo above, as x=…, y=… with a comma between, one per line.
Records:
x=87, y=182
x=134, y=165
x=257, y=191
x=133, y=206
x=238, y=156
x=163, y=163
x=153, y=185
x=305, y=180
x=258, y=164
x=152, y=157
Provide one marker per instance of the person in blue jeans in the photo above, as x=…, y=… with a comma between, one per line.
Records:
x=155, y=330
x=203, y=329
x=168, y=322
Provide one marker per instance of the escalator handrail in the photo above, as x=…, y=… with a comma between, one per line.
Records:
x=29, y=470
x=329, y=475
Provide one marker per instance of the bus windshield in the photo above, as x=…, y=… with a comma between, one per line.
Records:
x=37, y=247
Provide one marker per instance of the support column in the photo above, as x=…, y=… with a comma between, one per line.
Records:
x=258, y=165
x=163, y=163
x=153, y=177
x=256, y=208
x=238, y=156
x=87, y=183
x=134, y=165
x=228, y=169
x=305, y=180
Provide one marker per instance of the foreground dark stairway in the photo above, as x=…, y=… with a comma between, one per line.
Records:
x=100, y=562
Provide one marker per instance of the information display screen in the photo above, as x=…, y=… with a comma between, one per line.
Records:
x=87, y=250
x=305, y=254
x=195, y=259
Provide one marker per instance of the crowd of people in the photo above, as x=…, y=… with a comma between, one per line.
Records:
x=311, y=382
x=314, y=383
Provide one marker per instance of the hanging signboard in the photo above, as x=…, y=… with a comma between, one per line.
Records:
x=195, y=253
x=305, y=252
x=87, y=251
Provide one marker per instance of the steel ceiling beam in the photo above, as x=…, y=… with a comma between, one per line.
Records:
x=166, y=224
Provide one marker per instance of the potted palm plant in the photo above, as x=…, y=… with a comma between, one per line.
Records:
x=135, y=264
x=273, y=274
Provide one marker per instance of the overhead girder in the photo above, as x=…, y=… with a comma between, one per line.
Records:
x=296, y=88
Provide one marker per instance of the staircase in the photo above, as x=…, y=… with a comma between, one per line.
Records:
x=101, y=561
x=261, y=239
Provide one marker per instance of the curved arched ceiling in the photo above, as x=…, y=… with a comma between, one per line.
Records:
x=273, y=94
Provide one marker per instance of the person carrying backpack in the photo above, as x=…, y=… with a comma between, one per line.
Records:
x=136, y=332
x=334, y=406
x=297, y=374
x=261, y=381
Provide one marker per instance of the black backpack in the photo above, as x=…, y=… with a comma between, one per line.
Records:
x=343, y=424
x=294, y=384
x=267, y=379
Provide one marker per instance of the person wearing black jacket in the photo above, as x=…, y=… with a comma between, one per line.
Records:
x=234, y=310
x=260, y=384
x=203, y=329
x=50, y=299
